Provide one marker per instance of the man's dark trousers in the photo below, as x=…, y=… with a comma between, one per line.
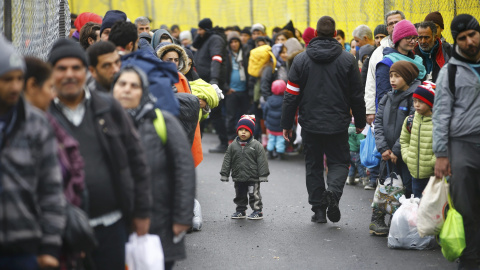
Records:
x=337, y=151
x=237, y=104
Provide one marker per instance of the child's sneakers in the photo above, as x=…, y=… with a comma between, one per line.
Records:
x=256, y=215
x=239, y=214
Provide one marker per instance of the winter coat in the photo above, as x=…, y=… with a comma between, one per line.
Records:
x=210, y=61
x=272, y=113
x=440, y=54
x=394, y=107
x=207, y=92
x=382, y=73
x=247, y=164
x=416, y=146
x=172, y=180
x=244, y=63
x=354, y=138
x=123, y=151
x=32, y=199
x=456, y=115
x=324, y=81
x=280, y=73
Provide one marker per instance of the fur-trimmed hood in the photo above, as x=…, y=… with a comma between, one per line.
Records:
x=165, y=47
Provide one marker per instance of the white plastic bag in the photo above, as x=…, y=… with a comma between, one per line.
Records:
x=144, y=253
x=403, y=229
x=298, y=138
x=197, y=217
x=431, y=212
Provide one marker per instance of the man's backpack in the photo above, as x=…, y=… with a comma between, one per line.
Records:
x=258, y=58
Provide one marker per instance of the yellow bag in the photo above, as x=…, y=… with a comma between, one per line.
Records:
x=258, y=58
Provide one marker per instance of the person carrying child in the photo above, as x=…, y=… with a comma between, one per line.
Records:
x=416, y=139
x=393, y=108
x=246, y=160
x=272, y=113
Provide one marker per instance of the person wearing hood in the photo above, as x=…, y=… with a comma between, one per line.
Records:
x=161, y=35
x=168, y=156
x=185, y=39
x=271, y=73
x=294, y=47
x=324, y=95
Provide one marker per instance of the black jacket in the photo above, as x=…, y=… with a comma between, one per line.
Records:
x=212, y=69
x=122, y=147
x=329, y=85
x=172, y=180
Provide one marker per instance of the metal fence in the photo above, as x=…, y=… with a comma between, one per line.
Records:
x=33, y=26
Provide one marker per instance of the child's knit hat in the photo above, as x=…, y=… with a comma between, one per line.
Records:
x=403, y=29
x=408, y=70
x=247, y=122
x=425, y=93
x=279, y=87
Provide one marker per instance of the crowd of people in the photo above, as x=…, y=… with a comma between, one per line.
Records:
x=110, y=126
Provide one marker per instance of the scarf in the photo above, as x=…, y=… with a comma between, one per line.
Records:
x=239, y=59
x=417, y=60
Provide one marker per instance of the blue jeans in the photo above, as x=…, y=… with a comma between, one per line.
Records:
x=18, y=262
x=276, y=142
x=374, y=174
x=418, y=185
x=355, y=164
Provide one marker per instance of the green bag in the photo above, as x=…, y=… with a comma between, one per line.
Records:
x=452, y=235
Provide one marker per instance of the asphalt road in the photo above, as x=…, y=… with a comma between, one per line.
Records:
x=286, y=238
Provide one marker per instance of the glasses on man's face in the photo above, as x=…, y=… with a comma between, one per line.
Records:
x=390, y=24
x=412, y=38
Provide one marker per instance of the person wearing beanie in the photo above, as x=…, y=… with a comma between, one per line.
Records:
x=116, y=174
x=82, y=19
x=393, y=108
x=437, y=18
x=185, y=38
x=32, y=181
x=245, y=35
x=456, y=130
x=237, y=99
x=272, y=114
x=111, y=17
x=405, y=38
x=379, y=34
x=416, y=139
x=211, y=65
x=245, y=159
x=308, y=35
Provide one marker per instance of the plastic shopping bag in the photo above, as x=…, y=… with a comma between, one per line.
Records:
x=388, y=191
x=431, y=212
x=144, y=253
x=452, y=235
x=197, y=216
x=403, y=229
x=369, y=156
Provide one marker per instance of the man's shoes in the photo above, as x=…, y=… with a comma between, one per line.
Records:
x=333, y=211
x=239, y=214
x=256, y=215
x=351, y=181
x=221, y=148
x=370, y=186
x=320, y=216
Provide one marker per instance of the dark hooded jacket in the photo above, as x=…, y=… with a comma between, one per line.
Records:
x=157, y=35
x=324, y=81
x=172, y=178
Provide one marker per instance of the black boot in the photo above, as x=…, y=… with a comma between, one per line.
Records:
x=320, y=216
x=281, y=156
x=270, y=155
x=378, y=226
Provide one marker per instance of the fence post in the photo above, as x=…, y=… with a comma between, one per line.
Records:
x=387, y=7
x=7, y=17
x=251, y=12
x=61, y=20
x=454, y=8
x=308, y=13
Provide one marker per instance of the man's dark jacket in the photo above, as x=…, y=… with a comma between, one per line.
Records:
x=210, y=60
x=324, y=81
x=123, y=150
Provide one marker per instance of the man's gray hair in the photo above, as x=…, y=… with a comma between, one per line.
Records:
x=363, y=31
x=394, y=12
x=142, y=21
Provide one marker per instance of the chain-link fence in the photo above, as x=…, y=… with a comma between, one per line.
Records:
x=33, y=26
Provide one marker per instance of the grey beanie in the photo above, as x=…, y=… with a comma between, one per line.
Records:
x=10, y=59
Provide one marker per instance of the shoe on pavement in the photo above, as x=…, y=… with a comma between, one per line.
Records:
x=364, y=180
x=370, y=186
x=271, y=155
x=377, y=225
x=333, y=211
x=351, y=181
x=239, y=214
x=320, y=216
x=219, y=149
x=256, y=215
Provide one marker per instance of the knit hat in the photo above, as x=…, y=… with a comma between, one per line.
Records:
x=365, y=50
x=279, y=87
x=289, y=27
x=246, y=30
x=247, y=122
x=380, y=29
x=403, y=29
x=85, y=17
x=258, y=27
x=308, y=35
x=425, y=93
x=111, y=17
x=233, y=35
x=435, y=17
x=462, y=23
x=65, y=48
x=406, y=69
x=10, y=59
x=205, y=24
x=185, y=35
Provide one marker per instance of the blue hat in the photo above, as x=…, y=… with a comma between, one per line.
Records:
x=111, y=17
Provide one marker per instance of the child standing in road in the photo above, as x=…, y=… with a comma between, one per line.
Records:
x=272, y=113
x=246, y=159
x=416, y=139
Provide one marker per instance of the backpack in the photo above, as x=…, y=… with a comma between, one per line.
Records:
x=410, y=123
x=160, y=126
x=258, y=58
